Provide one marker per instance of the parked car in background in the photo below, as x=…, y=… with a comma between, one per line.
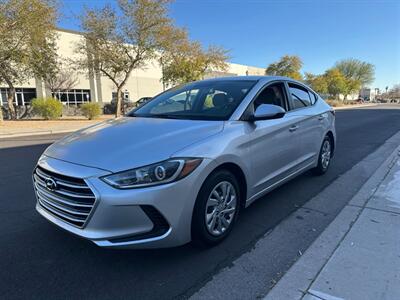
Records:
x=361, y=100
x=111, y=107
x=389, y=100
x=176, y=170
x=124, y=101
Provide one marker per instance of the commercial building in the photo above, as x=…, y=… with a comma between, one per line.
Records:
x=368, y=94
x=93, y=87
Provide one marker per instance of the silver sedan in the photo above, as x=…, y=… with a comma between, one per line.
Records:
x=181, y=167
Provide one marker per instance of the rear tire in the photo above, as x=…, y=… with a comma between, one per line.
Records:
x=324, y=157
x=216, y=209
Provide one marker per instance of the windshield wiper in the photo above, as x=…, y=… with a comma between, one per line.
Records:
x=163, y=116
x=179, y=117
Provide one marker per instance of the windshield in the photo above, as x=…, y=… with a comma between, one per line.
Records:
x=203, y=100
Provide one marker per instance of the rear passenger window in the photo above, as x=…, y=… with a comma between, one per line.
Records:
x=300, y=96
x=313, y=97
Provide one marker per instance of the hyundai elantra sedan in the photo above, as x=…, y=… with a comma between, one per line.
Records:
x=183, y=166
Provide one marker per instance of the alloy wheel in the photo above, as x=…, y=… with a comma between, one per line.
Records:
x=220, y=208
x=326, y=154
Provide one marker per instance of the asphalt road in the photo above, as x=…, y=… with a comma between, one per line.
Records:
x=37, y=260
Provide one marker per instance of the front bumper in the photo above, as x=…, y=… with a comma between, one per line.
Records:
x=152, y=217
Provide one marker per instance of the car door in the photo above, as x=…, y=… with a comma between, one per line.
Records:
x=308, y=123
x=273, y=143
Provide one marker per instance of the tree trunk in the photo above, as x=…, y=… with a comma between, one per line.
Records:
x=10, y=101
x=10, y=96
x=118, y=106
x=162, y=73
x=1, y=115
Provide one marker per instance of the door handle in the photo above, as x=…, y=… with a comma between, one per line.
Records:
x=293, y=128
x=321, y=117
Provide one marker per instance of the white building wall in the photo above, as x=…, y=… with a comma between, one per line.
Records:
x=242, y=70
x=66, y=43
x=368, y=93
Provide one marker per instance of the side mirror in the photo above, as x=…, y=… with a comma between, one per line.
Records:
x=267, y=112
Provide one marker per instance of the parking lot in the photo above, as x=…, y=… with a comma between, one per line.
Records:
x=40, y=261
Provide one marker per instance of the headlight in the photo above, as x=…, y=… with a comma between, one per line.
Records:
x=159, y=173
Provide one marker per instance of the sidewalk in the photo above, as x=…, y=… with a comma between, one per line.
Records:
x=358, y=255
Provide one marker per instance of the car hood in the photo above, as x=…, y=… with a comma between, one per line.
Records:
x=125, y=143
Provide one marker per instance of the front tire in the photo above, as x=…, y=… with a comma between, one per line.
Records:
x=324, y=158
x=216, y=209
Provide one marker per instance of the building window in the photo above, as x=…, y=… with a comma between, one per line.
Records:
x=124, y=96
x=73, y=97
x=23, y=96
x=3, y=97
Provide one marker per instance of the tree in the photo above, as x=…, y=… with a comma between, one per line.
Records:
x=288, y=66
x=394, y=93
x=317, y=82
x=184, y=61
x=336, y=82
x=27, y=37
x=60, y=81
x=332, y=82
x=117, y=42
x=170, y=38
x=356, y=70
x=53, y=70
x=351, y=86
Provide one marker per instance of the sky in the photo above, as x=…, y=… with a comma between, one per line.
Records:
x=259, y=32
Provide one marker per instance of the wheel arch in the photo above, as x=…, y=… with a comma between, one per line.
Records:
x=237, y=171
x=330, y=135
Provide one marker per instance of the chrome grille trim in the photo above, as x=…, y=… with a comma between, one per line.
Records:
x=61, y=182
x=44, y=191
x=51, y=199
x=62, y=191
x=72, y=195
x=56, y=212
x=72, y=201
x=63, y=207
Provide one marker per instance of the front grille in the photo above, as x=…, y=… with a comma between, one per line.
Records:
x=70, y=200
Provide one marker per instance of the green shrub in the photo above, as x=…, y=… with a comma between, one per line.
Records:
x=47, y=108
x=91, y=110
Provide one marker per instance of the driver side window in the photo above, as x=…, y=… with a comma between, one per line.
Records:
x=272, y=94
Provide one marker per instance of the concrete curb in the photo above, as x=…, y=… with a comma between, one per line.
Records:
x=44, y=132
x=300, y=277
